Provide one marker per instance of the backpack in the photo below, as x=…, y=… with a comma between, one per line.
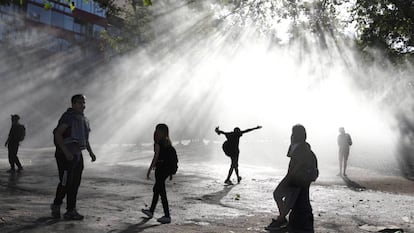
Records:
x=308, y=170
x=313, y=171
x=171, y=161
x=226, y=148
x=21, y=130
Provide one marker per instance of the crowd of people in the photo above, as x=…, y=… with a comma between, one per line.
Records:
x=71, y=137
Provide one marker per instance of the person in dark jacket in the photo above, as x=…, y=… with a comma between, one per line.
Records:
x=231, y=149
x=16, y=134
x=71, y=136
x=295, y=185
x=162, y=150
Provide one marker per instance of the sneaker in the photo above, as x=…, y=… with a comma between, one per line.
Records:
x=10, y=171
x=72, y=215
x=55, y=210
x=147, y=212
x=239, y=179
x=19, y=170
x=277, y=224
x=164, y=219
x=228, y=182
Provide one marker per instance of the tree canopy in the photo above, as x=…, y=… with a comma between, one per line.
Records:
x=387, y=25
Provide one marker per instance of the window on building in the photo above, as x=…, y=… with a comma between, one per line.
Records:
x=68, y=22
x=57, y=19
x=39, y=14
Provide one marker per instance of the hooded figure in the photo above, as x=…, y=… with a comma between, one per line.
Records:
x=303, y=166
x=292, y=193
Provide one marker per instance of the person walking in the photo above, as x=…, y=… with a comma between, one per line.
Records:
x=165, y=164
x=71, y=136
x=16, y=135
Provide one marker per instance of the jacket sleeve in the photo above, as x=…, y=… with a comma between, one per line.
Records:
x=349, y=140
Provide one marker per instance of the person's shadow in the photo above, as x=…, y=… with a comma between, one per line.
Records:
x=38, y=223
x=13, y=179
x=287, y=230
x=352, y=184
x=215, y=198
x=139, y=227
x=283, y=230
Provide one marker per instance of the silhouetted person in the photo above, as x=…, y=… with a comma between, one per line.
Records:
x=71, y=136
x=292, y=193
x=165, y=164
x=16, y=135
x=344, y=142
x=231, y=149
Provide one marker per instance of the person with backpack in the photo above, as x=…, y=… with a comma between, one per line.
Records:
x=165, y=164
x=292, y=193
x=231, y=149
x=16, y=135
x=344, y=143
x=71, y=137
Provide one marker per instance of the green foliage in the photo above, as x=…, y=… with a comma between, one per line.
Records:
x=47, y=5
x=387, y=25
x=72, y=6
x=131, y=29
x=147, y=2
x=319, y=17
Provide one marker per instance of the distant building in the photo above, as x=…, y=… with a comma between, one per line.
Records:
x=59, y=28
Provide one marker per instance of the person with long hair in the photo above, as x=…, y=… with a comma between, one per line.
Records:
x=163, y=154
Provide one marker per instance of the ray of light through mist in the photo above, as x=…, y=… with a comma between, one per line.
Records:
x=196, y=76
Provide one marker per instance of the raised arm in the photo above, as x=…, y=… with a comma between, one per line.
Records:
x=251, y=129
x=218, y=131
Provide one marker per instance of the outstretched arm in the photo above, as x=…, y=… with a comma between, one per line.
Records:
x=218, y=131
x=251, y=129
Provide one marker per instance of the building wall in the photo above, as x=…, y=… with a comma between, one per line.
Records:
x=61, y=27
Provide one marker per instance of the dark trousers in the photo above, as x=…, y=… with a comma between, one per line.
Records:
x=70, y=174
x=285, y=196
x=159, y=190
x=301, y=217
x=13, y=159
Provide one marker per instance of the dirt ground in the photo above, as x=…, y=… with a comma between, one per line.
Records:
x=114, y=190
